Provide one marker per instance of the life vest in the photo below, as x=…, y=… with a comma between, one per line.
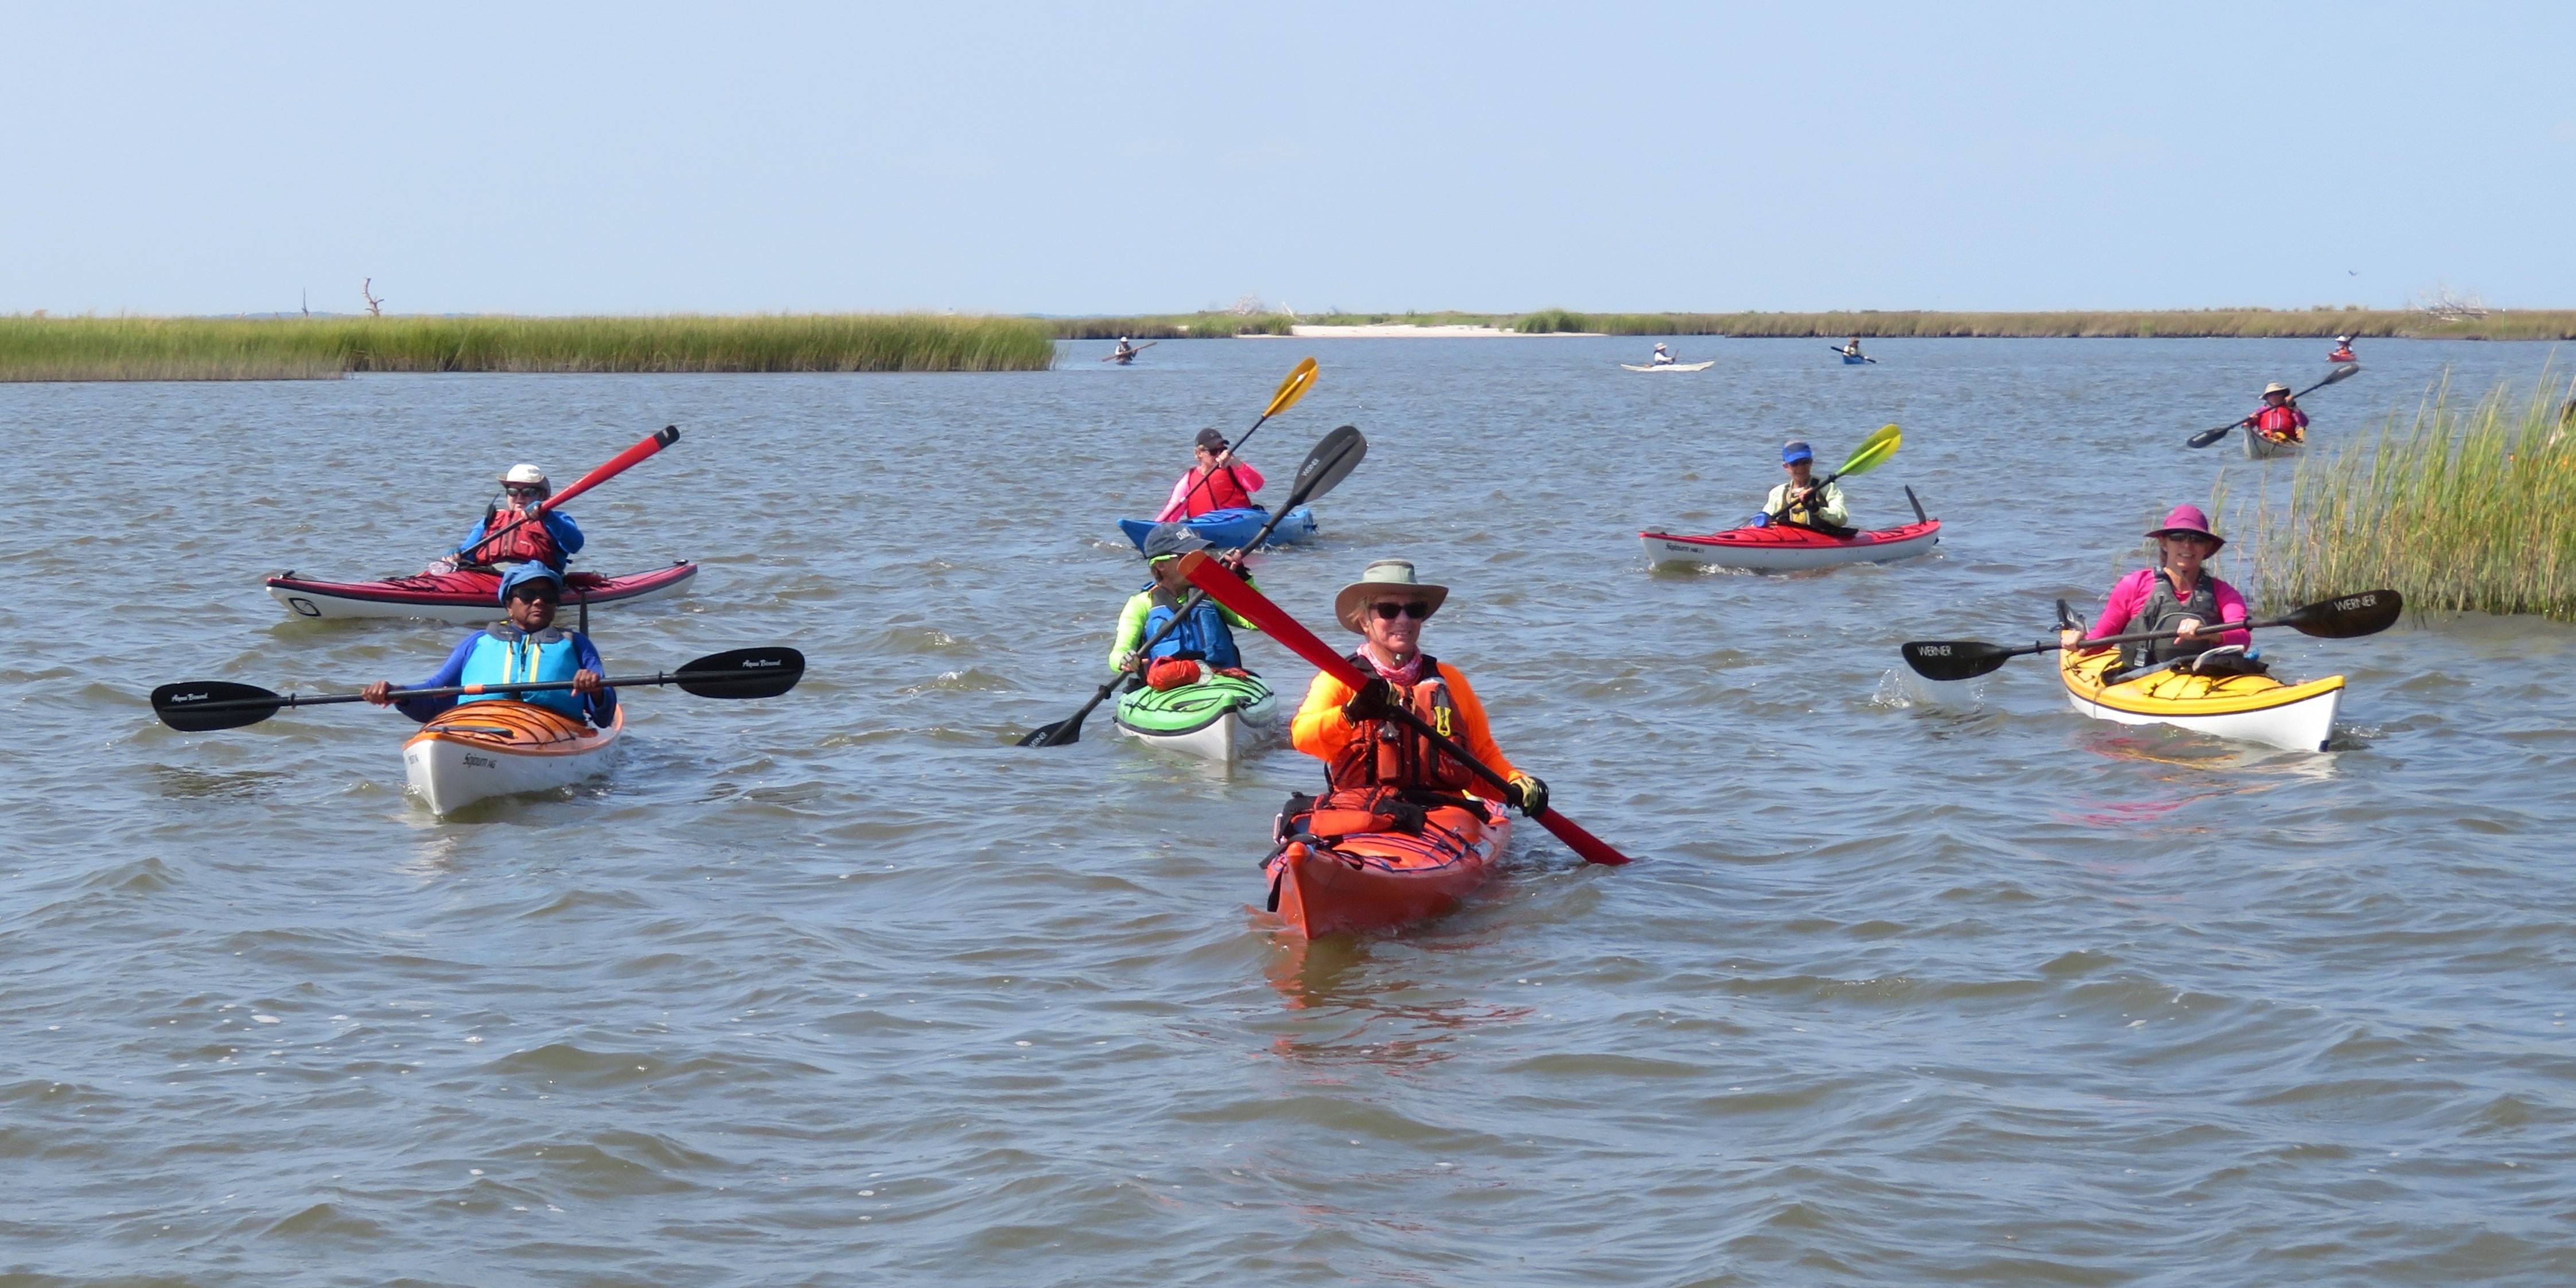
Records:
x=1390, y=753
x=1204, y=635
x=2163, y=612
x=1218, y=491
x=504, y=654
x=529, y=542
x=2281, y=424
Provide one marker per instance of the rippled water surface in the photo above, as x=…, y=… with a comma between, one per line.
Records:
x=1910, y=984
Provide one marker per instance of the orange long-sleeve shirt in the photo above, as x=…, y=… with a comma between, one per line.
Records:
x=1321, y=730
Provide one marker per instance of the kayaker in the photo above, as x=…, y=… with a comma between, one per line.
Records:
x=2281, y=421
x=1851, y=347
x=1801, y=502
x=525, y=645
x=1217, y=482
x=2342, y=350
x=1368, y=755
x=2178, y=594
x=1204, y=641
x=1663, y=357
x=1125, y=352
x=550, y=539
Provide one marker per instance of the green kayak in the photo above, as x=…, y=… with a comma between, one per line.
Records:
x=1213, y=718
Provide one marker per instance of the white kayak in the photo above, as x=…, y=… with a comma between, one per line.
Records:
x=1784, y=548
x=1672, y=366
x=1218, y=718
x=2259, y=448
x=485, y=749
x=2247, y=708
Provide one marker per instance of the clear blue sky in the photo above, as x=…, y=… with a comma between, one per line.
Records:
x=1129, y=157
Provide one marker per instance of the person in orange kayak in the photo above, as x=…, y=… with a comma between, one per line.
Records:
x=2342, y=350
x=2178, y=594
x=2281, y=421
x=549, y=537
x=1217, y=482
x=1368, y=755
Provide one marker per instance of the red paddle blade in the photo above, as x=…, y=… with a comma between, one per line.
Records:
x=617, y=465
x=1227, y=589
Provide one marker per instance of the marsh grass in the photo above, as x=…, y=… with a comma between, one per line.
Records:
x=138, y=348
x=2463, y=507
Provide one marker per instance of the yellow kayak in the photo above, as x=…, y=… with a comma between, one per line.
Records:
x=2249, y=708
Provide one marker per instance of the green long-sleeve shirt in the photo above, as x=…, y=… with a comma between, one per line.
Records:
x=1131, y=620
x=1829, y=513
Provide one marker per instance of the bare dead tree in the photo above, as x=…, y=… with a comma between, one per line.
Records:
x=375, y=307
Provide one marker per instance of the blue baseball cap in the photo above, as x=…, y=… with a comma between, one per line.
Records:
x=528, y=572
x=1795, y=450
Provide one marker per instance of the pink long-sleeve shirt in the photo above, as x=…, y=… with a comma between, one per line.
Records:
x=1245, y=477
x=2131, y=595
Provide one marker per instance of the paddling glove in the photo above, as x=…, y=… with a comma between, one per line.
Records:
x=1375, y=700
x=1529, y=794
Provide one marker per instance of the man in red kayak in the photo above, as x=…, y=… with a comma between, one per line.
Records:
x=2178, y=594
x=1217, y=482
x=2280, y=421
x=547, y=538
x=1368, y=755
x=525, y=645
x=1802, y=502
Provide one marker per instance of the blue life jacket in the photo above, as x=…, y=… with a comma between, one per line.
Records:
x=504, y=654
x=1204, y=635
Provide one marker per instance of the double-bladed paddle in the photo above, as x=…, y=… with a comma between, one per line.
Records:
x=1227, y=589
x=203, y=706
x=2343, y=618
x=1113, y=357
x=1333, y=459
x=2208, y=436
x=1873, y=452
x=616, y=465
x=1300, y=379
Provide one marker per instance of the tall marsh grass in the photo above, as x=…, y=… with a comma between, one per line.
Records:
x=2465, y=507
x=141, y=348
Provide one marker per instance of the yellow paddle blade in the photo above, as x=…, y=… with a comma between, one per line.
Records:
x=1291, y=389
x=1874, y=450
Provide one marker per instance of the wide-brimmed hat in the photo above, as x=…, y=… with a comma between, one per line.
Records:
x=1796, y=450
x=1170, y=541
x=1383, y=581
x=525, y=474
x=2343, y=339
x=2276, y=387
x=528, y=572
x=2188, y=518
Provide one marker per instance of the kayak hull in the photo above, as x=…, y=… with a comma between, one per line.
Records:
x=1854, y=360
x=1216, y=719
x=486, y=749
x=465, y=598
x=1671, y=366
x=2259, y=448
x=1781, y=548
x=2243, y=708
x=1230, y=529
x=1383, y=880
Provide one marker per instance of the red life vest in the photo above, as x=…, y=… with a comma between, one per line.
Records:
x=2281, y=424
x=529, y=542
x=1218, y=491
x=1389, y=753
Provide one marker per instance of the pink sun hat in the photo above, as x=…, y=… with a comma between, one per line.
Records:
x=2188, y=518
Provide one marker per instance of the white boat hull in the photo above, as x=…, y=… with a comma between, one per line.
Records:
x=2260, y=448
x=1671, y=366
x=1669, y=548
x=2304, y=725
x=1222, y=739
x=450, y=772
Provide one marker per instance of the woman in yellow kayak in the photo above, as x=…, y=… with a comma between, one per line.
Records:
x=2178, y=594
x=1368, y=754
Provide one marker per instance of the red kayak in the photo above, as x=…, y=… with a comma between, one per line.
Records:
x=1378, y=880
x=462, y=597
x=1784, y=547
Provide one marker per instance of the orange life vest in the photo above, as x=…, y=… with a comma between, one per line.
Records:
x=529, y=542
x=1389, y=753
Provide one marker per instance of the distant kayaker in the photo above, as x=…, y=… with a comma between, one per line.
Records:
x=550, y=539
x=2281, y=421
x=1204, y=641
x=1851, y=347
x=2176, y=594
x=2342, y=350
x=1802, y=502
x=1367, y=754
x=1663, y=357
x=1125, y=352
x=1217, y=482
x=525, y=646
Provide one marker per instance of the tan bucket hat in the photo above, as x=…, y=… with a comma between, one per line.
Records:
x=2276, y=387
x=1384, y=581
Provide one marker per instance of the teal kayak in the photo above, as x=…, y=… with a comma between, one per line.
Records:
x=1214, y=718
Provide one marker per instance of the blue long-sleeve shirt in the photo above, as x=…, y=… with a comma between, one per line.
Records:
x=567, y=534
x=599, y=709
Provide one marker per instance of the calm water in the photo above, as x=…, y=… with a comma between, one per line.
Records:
x=1908, y=986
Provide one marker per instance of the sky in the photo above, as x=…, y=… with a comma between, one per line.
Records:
x=1089, y=159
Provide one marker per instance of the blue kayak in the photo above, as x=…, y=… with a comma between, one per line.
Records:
x=1854, y=359
x=1229, y=529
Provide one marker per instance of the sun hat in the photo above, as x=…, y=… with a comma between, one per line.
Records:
x=524, y=473
x=528, y=572
x=1171, y=541
x=1375, y=583
x=1211, y=440
x=2343, y=339
x=2276, y=387
x=2188, y=518
x=1796, y=450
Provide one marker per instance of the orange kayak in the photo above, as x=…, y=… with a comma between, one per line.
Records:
x=1377, y=880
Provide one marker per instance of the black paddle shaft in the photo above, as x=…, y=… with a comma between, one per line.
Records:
x=206, y=705
x=2208, y=436
x=2346, y=617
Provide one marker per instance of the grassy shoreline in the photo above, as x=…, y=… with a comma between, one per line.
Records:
x=2506, y=324
x=147, y=348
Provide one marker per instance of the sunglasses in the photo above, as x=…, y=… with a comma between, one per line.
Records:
x=1415, y=609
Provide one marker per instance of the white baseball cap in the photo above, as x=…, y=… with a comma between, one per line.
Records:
x=526, y=473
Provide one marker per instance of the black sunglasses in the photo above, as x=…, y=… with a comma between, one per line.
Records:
x=1415, y=609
